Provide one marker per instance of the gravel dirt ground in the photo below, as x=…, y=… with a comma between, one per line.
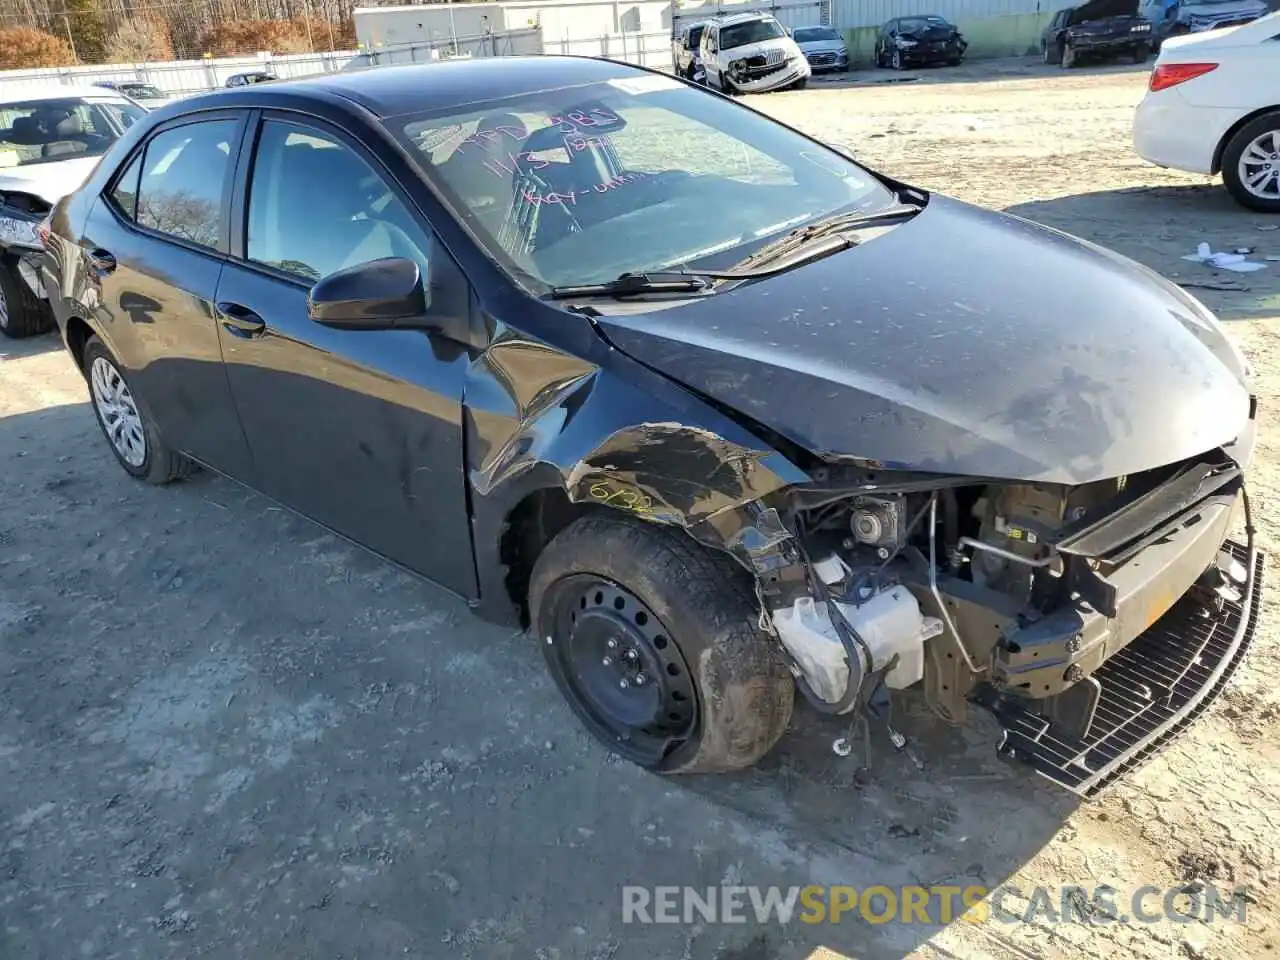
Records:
x=226, y=733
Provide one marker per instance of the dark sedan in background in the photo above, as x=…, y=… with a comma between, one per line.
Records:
x=475, y=317
x=918, y=42
x=1097, y=30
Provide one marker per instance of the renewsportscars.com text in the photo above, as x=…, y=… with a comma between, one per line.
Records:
x=930, y=905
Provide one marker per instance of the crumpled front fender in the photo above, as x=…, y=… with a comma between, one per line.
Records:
x=622, y=438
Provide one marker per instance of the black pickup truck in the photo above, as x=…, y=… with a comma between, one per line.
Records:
x=1099, y=29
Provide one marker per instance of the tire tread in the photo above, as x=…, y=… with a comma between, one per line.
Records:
x=747, y=693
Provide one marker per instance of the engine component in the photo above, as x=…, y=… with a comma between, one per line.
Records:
x=889, y=624
x=879, y=522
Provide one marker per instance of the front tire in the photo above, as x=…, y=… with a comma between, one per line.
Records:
x=1068, y=56
x=1251, y=164
x=22, y=313
x=895, y=60
x=130, y=433
x=800, y=84
x=654, y=642
x=1142, y=53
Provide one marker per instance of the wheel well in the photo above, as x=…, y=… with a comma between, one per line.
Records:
x=1234, y=129
x=530, y=526
x=78, y=334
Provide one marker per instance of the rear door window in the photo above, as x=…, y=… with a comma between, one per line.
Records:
x=184, y=180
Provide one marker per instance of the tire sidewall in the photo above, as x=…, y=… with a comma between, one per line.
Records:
x=26, y=317
x=895, y=60
x=1231, y=162
x=706, y=651
x=93, y=350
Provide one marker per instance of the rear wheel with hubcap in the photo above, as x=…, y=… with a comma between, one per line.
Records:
x=133, y=438
x=1251, y=164
x=653, y=641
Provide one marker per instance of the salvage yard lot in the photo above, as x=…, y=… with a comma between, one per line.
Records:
x=225, y=733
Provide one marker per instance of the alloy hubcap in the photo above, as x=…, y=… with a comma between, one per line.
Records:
x=1259, y=166
x=118, y=412
x=623, y=672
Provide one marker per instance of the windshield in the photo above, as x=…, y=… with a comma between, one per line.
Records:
x=753, y=31
x=811, y=34
x=921, y=23
x=43, y=131
x=581, y=184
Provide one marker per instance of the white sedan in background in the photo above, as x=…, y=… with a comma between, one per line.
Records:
x=1213, y=106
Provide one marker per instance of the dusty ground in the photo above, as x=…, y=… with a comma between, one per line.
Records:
x=225, y=733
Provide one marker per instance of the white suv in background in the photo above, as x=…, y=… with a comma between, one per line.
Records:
x=751, y=53
x=1213, y=106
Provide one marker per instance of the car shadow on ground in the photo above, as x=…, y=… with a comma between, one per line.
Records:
x=976, y=71
x=156, y=691
x=946, y=813
x=29, y=346
x=1157, y=226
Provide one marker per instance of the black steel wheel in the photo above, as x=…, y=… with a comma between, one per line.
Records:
x=618, y=668
x=654, y=641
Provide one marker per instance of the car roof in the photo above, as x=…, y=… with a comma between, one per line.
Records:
x=732, y=18
x=54, y=91
x=423, y=87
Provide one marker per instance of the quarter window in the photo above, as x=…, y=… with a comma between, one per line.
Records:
x=183, y=180
x=315, y=207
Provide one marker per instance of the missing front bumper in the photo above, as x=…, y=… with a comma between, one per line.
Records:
x=1147, y=693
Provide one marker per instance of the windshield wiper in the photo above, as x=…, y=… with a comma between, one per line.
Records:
x=826, y=228
x=832, y=230
x=657, y=281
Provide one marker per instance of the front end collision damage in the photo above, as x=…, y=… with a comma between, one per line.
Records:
x=21, y=215
x=990, y=591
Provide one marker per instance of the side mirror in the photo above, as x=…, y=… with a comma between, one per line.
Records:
x=383, y=294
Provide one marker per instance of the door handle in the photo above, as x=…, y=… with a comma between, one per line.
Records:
x=100, y=261
x=241, y=321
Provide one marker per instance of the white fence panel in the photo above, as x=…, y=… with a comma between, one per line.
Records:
x=177, y=77
x=643, y=49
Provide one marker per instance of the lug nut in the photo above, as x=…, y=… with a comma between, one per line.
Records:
x=623, y=683
x=632, y=655
x=611, y=644
x=607, y=661
x=640, y=678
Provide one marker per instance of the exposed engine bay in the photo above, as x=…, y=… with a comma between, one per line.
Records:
x=983, y=592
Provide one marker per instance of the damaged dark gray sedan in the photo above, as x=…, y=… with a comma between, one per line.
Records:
x=717, y=412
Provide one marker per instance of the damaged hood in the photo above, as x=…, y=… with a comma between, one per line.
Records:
x=1102, y=10
x=50, y=181
x=962, y=342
